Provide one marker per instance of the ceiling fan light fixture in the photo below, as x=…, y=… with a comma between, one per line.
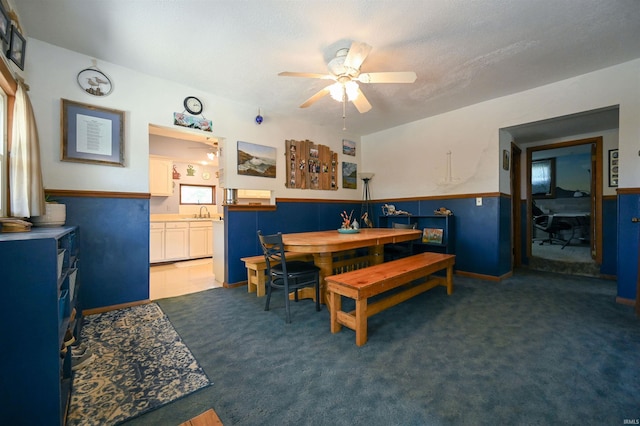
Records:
x=339, y=90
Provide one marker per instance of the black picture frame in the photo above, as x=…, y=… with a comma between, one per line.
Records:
x=5, y=25
x=17, y=47
x=613, y=168
x=92, y=134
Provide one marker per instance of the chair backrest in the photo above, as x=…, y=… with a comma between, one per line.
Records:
x=404, y=225
x=273, y=250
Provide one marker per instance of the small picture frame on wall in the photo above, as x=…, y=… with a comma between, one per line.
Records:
x=505, y=159
x=5, y=25
x=613, y=167
x=348, y=147
x=17, y=47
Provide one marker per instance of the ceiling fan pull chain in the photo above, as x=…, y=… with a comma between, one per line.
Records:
x=344, y=108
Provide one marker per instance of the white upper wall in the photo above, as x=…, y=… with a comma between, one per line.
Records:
x=51, y=73
x=411, y=160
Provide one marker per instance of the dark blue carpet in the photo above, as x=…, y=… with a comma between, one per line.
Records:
x=535, y=349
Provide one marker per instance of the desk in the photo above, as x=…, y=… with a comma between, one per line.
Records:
x=323, y=244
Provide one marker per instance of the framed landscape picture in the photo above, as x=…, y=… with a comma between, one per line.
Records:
x=432, y=235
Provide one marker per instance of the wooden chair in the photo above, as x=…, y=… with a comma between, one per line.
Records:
x=288, y=275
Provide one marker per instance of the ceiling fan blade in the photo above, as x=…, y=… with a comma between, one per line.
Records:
x=315, y=97
x=387, y=77
x=306, y=75
x=357, y=54
x=361, y=102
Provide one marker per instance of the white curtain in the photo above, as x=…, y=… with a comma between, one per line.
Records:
x=25, y=175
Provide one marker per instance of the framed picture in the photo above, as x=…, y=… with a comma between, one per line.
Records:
x=348, y=147
x=185, y=120
x=432, y=235
x=5, y=24
x=256, y=160
x=17, y=47
x=505, y=159
x=92, y=134
x=349, y=175
x=613, y=167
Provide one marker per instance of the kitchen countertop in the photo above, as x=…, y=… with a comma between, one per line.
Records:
x=181, y=218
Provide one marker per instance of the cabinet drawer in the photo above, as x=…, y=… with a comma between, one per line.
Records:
x=176, y=225
x=203, y=224
x=157, y=225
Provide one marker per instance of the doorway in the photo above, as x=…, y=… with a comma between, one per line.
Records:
x=564, y=206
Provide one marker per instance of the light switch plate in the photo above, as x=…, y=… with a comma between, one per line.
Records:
x=478, y=201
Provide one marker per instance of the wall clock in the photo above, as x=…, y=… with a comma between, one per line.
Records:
x=193, y=105
x=94, y=82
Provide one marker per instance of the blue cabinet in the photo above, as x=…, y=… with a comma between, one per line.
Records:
x=40, y=290
x=437, y=231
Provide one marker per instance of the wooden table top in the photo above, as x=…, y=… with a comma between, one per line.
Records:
x=333, y=241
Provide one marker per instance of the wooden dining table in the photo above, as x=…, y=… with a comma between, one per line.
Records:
x=323, y=245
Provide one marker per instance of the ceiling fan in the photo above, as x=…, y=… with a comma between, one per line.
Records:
x=345, y=71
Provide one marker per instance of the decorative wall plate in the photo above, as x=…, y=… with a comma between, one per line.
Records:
x=94, y=82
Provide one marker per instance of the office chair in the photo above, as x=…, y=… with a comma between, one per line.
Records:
x=288, y=275
x=552, y=225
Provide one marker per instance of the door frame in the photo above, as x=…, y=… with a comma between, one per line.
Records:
x=595, y=230
x=516, y=206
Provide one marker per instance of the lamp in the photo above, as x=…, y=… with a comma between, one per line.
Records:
x=365, y=211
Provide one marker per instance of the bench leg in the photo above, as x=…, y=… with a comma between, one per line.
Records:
x=260, y=285
x=361, y=322
x=251, y=277
x=334, y=306
x=449, y=280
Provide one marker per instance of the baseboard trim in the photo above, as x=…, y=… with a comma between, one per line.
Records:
x=114, y=307
x=483, y=276
x=625, y=301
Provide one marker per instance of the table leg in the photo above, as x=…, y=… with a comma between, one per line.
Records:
x=324, y=261
x=376, y=254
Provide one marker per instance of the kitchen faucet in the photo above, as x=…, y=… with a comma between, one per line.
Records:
x=207, y=210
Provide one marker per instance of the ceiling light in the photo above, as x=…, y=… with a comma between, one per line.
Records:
x=210, y=155
x=339, y=90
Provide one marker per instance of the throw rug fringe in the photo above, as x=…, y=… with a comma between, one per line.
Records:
x=140, y=364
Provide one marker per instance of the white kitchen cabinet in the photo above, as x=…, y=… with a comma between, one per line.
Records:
x=160, y=176
x=156, y=242
x=176, y=240
x=200, y=239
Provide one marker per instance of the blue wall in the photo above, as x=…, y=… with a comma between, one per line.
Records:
x=114, y=238
x=480, y=233
x=114, y=249
x=628, y=242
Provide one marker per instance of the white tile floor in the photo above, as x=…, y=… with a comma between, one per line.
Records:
x=176, y=279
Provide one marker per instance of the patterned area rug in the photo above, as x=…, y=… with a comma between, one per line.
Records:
x=140, y=364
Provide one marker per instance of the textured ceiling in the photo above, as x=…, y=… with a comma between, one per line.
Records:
x=463, y=52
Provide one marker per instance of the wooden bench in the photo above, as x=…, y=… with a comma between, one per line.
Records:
x=362, y=284
x=257, y=268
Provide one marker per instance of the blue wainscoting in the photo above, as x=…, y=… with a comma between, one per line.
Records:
x=480, y=233
x=304, y=216
x=628, y=243
x=114, y=249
